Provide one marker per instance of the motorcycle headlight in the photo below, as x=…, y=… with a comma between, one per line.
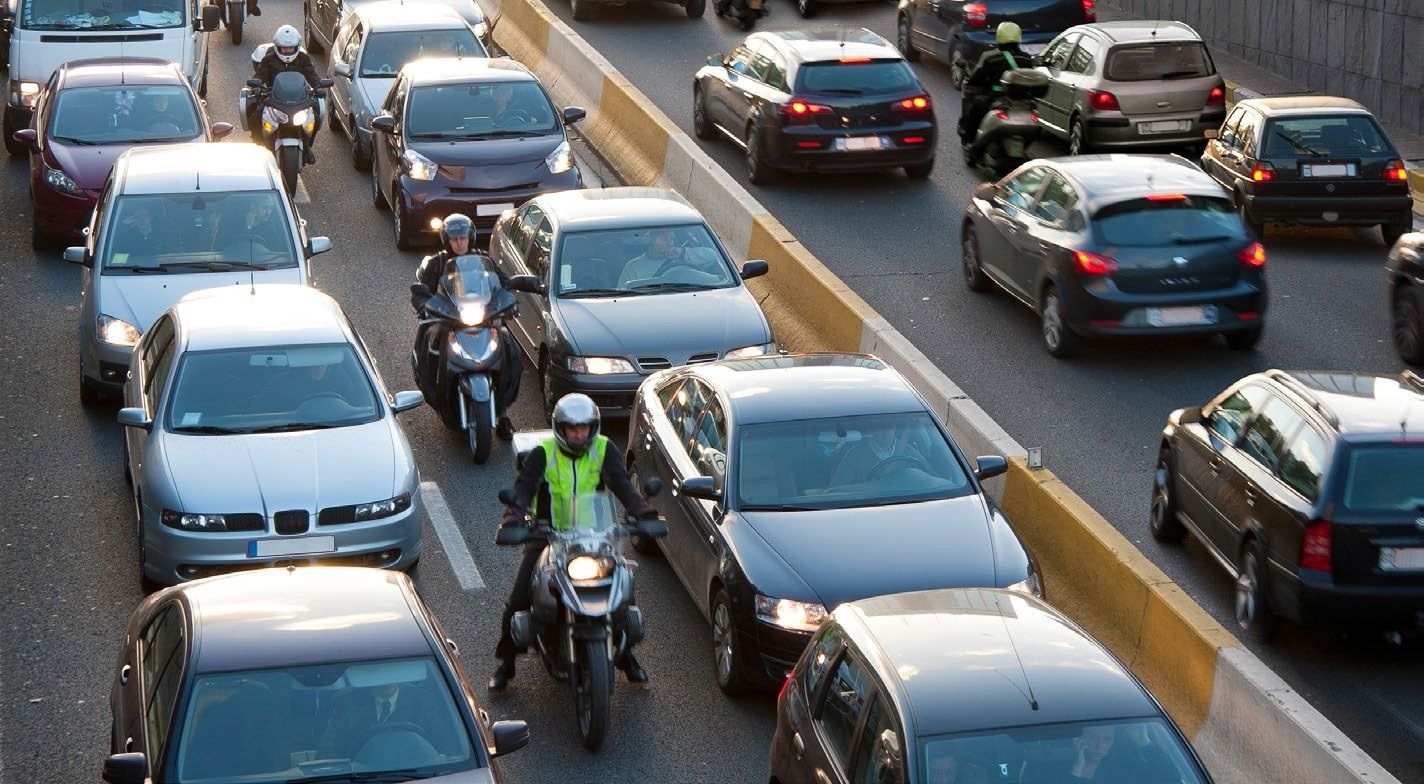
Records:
x=761, y=349
x=23, y=93
x=582, y=568
x=193, y=522
x=472, y=315
x=274, y=116
x=418, y=166
x=378, y=509
x=1030, y=585
x=791, y=614
x=61, y=182
x=561, y=159
x=117, y=332
x=600, y=366
x=458, y=349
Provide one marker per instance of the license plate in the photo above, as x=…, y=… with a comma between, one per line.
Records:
x=1033, y=48
x=484, y=210
x=1177, y=317
x=1327, y=170
x=858, y=143
x=304, y=545
x=1397, y=558
x=1163, y=126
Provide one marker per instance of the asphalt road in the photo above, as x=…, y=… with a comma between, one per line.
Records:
x=1098, y=417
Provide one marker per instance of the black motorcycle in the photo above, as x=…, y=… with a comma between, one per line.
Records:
x=290, y=114
x=1011, y=125
x=745, y=12
x=234, y=12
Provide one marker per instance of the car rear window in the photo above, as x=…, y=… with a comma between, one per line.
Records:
x=1167, y=219
x=1350, y=136
x=1164, y=60
x=1385, y=478
x=845, y=78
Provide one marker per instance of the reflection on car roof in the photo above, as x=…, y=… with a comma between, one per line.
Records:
x=618, y=208
x=774, y=388
x=272, y=314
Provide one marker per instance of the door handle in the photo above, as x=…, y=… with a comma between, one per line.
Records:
x=124, y=673
x=1250, y=495
x=798, y=745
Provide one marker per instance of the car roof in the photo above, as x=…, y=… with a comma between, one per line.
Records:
x=972, y=659
x=454, y=70
x=460, y=7
x=1107, y=179
x=1304, y=105
x=293, y=617
x=113, y=71
x=392, y=15
x=774, y=388
x=1126, y=31
x=831, y=44
x=590, y=209
x=1360, y=403
x=268, y=314
x=191, y=168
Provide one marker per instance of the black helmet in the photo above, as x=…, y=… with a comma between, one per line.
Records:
x=456, y=225
x=573, y=410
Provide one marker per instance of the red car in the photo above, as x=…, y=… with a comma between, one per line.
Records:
x=89, y=114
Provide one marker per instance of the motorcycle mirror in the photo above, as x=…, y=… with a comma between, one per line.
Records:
x=506, y=497
x=652, y=486
x=254, y=83
x=212, y=18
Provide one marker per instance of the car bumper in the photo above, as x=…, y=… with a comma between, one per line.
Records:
x=1331, y=210
x=104, y=362
x=1100, y=308
x=613, y=394
x=427, y=201
x=61, y=216
x=1116, y=131
x=1320, y=602
x=770, y=652
x=791, y=149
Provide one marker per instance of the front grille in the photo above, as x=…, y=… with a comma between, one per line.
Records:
x=651, y=364
x=697, y=359
x=292, y=521
x=244, y=522
x=523, y=186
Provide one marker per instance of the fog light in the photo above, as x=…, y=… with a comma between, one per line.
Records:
x=109, y=374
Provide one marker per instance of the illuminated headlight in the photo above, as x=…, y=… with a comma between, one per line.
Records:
x=751, y=351
x=193, y=522
x=600, y=366
x=305, y=118
x=561, y=159
x=117, y=332
x=418, y=166
x=436, y=223
x=23, y=93
x=472, y=315
x=588, y=567
x=61, y=182
x=386, y=508
x=791, y=614
x=458, y=349
x=1029, y=585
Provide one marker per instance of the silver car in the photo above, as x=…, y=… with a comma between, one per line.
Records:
x=1130, y=85
x=258, y=432
x=174, y=219
x=373, y=43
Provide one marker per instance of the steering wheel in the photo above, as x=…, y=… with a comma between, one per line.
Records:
x=385, y=69
x=512, y=116
x=911, y=461
x=391, y=726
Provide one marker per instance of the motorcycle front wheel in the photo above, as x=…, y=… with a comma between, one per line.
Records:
x=234, y=25
x=289, y=160
x=479, y=432
x=592, y=691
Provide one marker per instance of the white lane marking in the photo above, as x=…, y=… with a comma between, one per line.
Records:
x=302, y=196
x=451, y=540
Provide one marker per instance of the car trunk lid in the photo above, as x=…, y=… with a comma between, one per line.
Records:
x=1377, y=525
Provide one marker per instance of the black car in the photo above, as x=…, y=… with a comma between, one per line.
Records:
x=1311, y=160
x=829, y=100
x=297, y=674
x=971, y=686
x=803, y=481
x=956, y=32
x=1309, y=489
x=1405, y=270
x=1108, y=245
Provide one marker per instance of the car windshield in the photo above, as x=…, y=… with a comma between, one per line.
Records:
x=197, y=232
x=89, y=15
x=336, y=722
x=124, y=115
x=1164, y=60
x=628, y=262
x=1349, y=137
x=386, y=53
x=268, y=390
x=1131, y=751
x=856, y=78
x=1167, y=220
x=1385, y=478
x=480, y=110
x=843, y=462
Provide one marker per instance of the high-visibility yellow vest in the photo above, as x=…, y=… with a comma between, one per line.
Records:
x=570, y=479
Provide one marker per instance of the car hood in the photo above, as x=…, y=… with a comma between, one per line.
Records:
x=675, y=326
x=850, y=554
x=491, y=163
x=88, y=165
x=139, y=299
x=309, y=470
x=373, y=93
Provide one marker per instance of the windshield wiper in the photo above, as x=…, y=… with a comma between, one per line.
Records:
x=601, y=293
x=135, y=270
x=293, y=427
x=677, y=287
x=781, y=508
x=72, y=140
x=437, y=135
x=504, y=134
x=213, y=266
x=373, y=776
x=210, y=430
x=1298, y=145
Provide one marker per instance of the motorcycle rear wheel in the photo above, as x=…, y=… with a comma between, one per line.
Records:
x=479, y=432
x=593, y=689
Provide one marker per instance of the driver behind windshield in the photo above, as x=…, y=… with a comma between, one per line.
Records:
x=137, y=234
x=361, y=715
x=249, y=228
x=858, y=460
x=664, y=256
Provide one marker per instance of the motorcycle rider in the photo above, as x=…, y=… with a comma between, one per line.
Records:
x=577, y=455
x=982, y=86
x=285, y=54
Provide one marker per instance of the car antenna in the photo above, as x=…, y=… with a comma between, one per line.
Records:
x=1028, y=695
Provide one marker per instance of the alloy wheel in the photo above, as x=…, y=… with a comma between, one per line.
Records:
x=1247, y=588
x=1052, y=322
x=722, y=642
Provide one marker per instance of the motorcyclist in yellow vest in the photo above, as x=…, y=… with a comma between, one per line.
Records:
x=576, y=461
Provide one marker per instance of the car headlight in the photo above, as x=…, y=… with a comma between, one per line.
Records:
x=193, y=522
x=418, y=166
x=378, y=509
x=600, y=366
x=61, y=182
x=582, y=568
x=117, y=332
x=791, y=614
x=1030, y=585
x=23, y=93
x=751, y=351
x=561, y=159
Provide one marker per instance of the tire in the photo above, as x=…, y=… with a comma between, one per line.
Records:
x=401, y=221
x=746, y=22
x=16, y=149
x=580, y=10
x=1257, y=227
x=1163, y=522
x=695, y=8
x=91, y=395
x=701, y=124
x=1243, y=340
x=592, y=692
x=289, y=161
x=360, y=153
x=1058, y=339
x=378, y=199
x=1391, y=232
x=1255, y=619
x=479, y=432
x=1077, y=138
x=235, y=32
x=145, y=583
x=920, y=171
x=546, y=387
x=313, y=46
x=957, y=74
x=974, y=277
x=203, y=82
x=719, y=7
x=758, y=172
x=806, y=8
x=726, y=664
x=1408, y=325
x=902, y=40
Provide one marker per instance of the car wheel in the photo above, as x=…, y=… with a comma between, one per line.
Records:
x=1408, y=326
x=731, y=677
x=1393, y=231
x=1257, y=227
x=90, y=393
x=580, y=10
x=378, y=199
x=1058, y=337
x=974, y=277
x=695, y=8
x=806, y=8
x=1077, y=138
x=1243, y=340
x=405, y=240
x=144, y=581
x=920, y=171
x=360, y=153
x=902, y=40
x=546, y=386
x=1163, y=522
x=758, y=172
x=701, y=123
x=1252, y=608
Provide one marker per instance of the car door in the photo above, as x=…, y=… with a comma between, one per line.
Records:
x=539, y=320
x=162, y=654
x=880, y=745
x=1053, y=106
x=1250, y=473
x=386, y=147
x=1049, y=234
x=1240, y=158
x=1214, y=159
x=720, y=88
x=836, y=719
x=1077, y=78
x=708, y=450
x=1007, y=216
x=1199, y=458
x=155, y=366
x=683, y=403
x=929, y=25
x=343, y=86
x=126, y=697
x=804, y=694
x=764, y=91
x=1284, y=513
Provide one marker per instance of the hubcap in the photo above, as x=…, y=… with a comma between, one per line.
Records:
x=1246, y=593
x=1075, y=141
x=904, y=30
x=1052, y=322
x=722, y=642
x=1161, y=500
x=971, y=260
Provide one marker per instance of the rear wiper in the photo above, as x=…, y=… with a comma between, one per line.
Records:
x=206, y=430
x=293, y=427
x=842, y=91
x=601, y=293
x=1298, y=145
x=1195, y=240
x=1181, y=74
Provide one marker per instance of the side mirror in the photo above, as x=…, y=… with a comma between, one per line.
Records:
x=506, y=496
x=703, y=487
x=989, y=466
x=212, y=19
x=652, y=486
x=573, y=114
x=653, y=529
x=529, y=284
x=76, y=254
x=135, y=417
x=509, y=737
x=715, y=60
x=318, y=245
x=25, y=136
x=1190, y=416
x=128, y=768
x=322, y=84
x=220, y=130
x=383, y=123
x=253, y=83
x=407, y=399
x=341, y=69
x=754, y=269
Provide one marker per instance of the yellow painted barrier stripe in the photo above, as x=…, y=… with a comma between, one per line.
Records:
x=810, y=309
x=523, y=31
x=630, y=131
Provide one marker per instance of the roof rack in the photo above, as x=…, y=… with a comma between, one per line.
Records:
x=1289, y=380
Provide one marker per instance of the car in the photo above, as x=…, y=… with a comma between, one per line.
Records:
x=802, y=481
x=823, y=100
x=1311, y=160
x=1405, y=270
x=633, y=281
x=169, y=220
x=1117, y=245
x=330, y=674
x=321, y=19
x=257, y=432
x=968, y=685
x=1308, y=488
x=469, y=135
x=1131, y=85
x=373, y=43
x=957, y=33
x=90, y=112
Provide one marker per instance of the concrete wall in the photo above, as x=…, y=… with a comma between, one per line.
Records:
x=1363, y=49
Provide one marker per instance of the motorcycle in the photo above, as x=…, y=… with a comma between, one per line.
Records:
x=454, y=367
x=582, y=619
x=1011, y=125
x=746, y=12
x=291, y=115
x=233, y=14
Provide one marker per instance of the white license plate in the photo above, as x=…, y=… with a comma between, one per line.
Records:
x=484, y=210
x=1396, y=558
x=1163, y=126
x=858, y=143
x=1327, y=170
x=1033, y=48
x=1178, y=317
x=304, y=545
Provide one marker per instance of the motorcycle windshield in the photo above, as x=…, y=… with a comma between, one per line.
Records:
x=590, y=515
x=475, y=290
x=289, y=87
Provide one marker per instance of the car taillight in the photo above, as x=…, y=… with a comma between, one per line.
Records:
x=1216, y=97
x=784, y=684
x=1263, y=172
x=1103, y=101
x=1090, y=11
x=918, y=103
x=1090, y=263
x=1396, y=171
x=1253, y=255
x=1315, y=548
x=976, y=14
x=803, y=111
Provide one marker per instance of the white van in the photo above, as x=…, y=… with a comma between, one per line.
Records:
x=47, y=33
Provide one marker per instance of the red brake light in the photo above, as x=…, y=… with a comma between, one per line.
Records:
x=976, y=14
x=1001, y=114
x=917, y=103
x=802, y=111
x=1166, y=197
x=1263, y=172
x=1315, y=549
x=913, y=140
x=1253, y=255
x=1103, y=101
x=1217, y=96
x=855, y=59
x=1090, y=11
x=1090, y=263
x=784, y=685
x=1396, y=171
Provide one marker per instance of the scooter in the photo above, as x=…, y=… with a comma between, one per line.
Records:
x=745, y=12
x=291, y=115
x=233, y=14
x=582, y=619
x=1011, y=125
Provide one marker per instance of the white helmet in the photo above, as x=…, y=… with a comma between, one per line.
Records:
x=287, y=42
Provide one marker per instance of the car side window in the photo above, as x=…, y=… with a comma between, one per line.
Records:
x=1303, y=462
x=1246, y=133
x=740, y=61
x=1083, y=58
x=1057, y=201
x=1057, y=54
x=823, y=650
x=396, y=99
x=1228, y=128
x=880, y=754
x=1021, y=190
x=1228, y=419
x=709, y=442
x=842, y=706
x=99, y=215
x=353, y=45
x=1268, y=431
x=528, y=219
x=158, y=362
x=539, y=249
x=761, y=61
x=161, y=664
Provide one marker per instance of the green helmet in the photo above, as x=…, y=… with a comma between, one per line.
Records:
x=1008, y=33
